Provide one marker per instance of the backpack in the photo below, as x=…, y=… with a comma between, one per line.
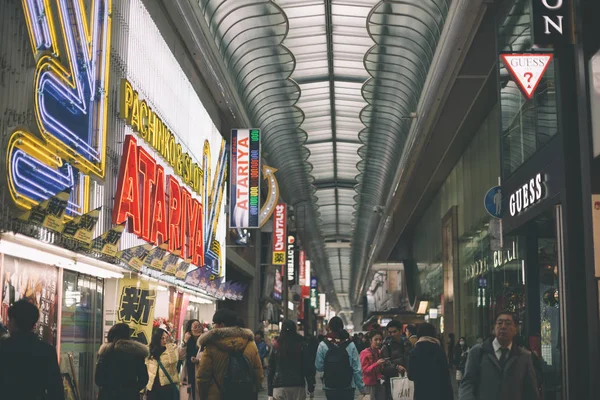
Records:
x=338, y=371
x=239, y=379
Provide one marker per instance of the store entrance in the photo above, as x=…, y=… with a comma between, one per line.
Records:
x=540, y=313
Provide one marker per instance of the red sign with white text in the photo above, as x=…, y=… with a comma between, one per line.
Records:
x=157, y=207
x=279, y=234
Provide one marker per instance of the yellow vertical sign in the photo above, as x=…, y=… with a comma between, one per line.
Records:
x=137, y=299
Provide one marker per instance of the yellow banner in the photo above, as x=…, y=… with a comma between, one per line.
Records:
x=82, y=227
x=50, y=213
x=108, y=242
x=137, y=299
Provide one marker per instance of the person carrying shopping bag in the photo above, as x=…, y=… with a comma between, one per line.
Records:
x=372, y=367
x=162, y=368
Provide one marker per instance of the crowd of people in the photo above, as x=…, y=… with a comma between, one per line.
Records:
x=230, y=362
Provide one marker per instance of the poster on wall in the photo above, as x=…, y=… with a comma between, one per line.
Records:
x=279, y=234
x=136, y=302
x=245, y=178
x=37, y=283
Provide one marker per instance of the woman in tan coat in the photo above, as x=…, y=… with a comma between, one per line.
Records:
x=224, y=339
x=162, y=367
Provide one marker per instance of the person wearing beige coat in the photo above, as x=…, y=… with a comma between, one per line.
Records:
x=159, y=386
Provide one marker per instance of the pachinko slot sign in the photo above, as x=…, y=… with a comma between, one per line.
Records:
x=245, y=178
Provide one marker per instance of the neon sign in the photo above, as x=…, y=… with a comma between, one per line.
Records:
x=72, y=47
x=245, y=179
x=157, y=208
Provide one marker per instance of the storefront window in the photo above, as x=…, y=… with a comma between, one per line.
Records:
x=527, y=125
x=81, y=334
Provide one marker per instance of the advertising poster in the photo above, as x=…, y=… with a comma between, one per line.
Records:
x=245, y=178
x=37, y=283
x=279, y=234
x=82, y=228
x=278, y=286
x=136, y=302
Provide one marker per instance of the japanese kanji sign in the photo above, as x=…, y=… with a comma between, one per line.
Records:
x=527, y=70
x=49, y=213
x=82, y=228
x=136, y=308
x=279, y=234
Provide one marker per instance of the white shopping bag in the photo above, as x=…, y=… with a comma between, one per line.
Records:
x=402, y=388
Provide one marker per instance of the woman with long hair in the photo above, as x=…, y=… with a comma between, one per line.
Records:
x=162, y=367
x=372, y=366
x=291, y=367
x=121, y=370
x=189, y=353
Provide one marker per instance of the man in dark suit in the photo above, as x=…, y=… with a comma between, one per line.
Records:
x=499, y=369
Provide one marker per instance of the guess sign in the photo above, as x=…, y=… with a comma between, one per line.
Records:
x=157, y=207
x=527, y=195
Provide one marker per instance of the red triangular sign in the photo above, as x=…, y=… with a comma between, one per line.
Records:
x=527, y=69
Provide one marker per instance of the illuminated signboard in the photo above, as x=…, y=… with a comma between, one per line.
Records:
x=245, y=178
x=160, y=207
x=279, y=234
x=291, y=259
x=71, y=44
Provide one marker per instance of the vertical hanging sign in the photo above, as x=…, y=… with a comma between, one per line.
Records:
x=527, y=69
x=279, y=234
x=291, y=259
x=245, y=178
x=551, y=22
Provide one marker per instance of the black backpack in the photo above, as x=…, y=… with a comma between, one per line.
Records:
x=338, y=371
x=239, y=379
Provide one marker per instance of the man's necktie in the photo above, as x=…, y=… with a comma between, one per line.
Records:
x=503, y=357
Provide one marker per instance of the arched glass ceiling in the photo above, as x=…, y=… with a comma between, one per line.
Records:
x=406, y=34
x=332, y=84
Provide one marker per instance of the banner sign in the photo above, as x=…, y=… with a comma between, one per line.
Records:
x=82, y=227
x=279, y=234
x=136, y=307
x=198, y=277
x=278, y=285
x=108, y=242
x=182, y=269
x=245, y=178
x=313, y=293
x=49, y=213
x=551, y=22
x=302, y=268
x=134, y=256
x=169, y=265
x=291, y=259
x=156, y=256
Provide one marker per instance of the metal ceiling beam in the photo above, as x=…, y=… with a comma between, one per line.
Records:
x=330, y=68
x=330, y=184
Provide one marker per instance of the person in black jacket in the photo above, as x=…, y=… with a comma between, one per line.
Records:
x=121, y=371
x=291, y=367
x=28, y=367
x=428, y=367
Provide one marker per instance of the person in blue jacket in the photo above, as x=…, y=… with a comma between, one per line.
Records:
x=338, y=358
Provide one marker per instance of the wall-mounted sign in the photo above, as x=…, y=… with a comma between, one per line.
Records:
x=314, y=295
x=527, y=195
x=291, y=259
x=322, y=304
x=245, y=178
x=493, y=202
x=527, y=69
x=551, y=21
x=279, y=234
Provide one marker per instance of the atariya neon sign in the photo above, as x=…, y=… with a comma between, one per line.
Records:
x=157, y=207
x=71, y=44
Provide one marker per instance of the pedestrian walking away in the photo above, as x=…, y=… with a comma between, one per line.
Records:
x=292, y=369
x=428, y=367
x=230, y=368
x=372, y=367
x=338, y=358
x=163, y=382
x=499, y=369
x=460, y=358
x=121, y=371
x=28, y=367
